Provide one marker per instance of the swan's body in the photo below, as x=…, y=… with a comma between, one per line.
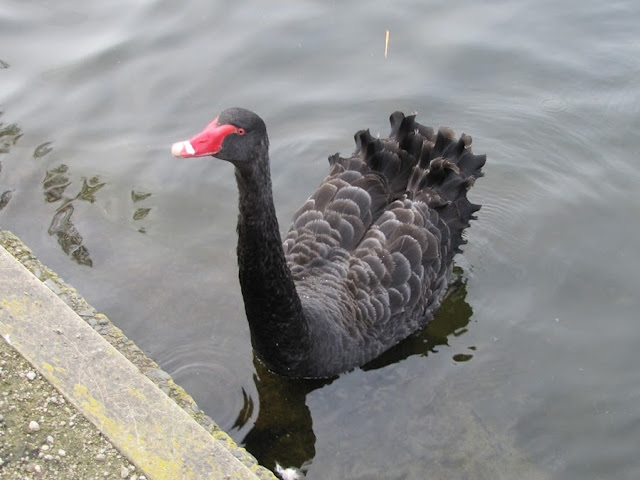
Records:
x=369, y=255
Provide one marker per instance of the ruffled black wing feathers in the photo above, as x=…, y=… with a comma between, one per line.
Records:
x=371, y=251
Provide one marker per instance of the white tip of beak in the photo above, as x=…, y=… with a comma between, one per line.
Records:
x=182, y=149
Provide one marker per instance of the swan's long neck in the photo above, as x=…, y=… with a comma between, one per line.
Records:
x=272, y=305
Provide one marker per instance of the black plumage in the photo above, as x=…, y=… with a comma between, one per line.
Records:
x=368, y=256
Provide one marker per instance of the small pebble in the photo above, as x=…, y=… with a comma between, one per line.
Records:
x=49, y=439
x=31, y=375
x=62, y=453
x=101, y=457
x=37, y=468
x=44, y=448
x=48, y=457
x=34, y=426
x=124, y=472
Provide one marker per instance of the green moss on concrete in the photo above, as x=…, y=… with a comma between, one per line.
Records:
x=126, y=347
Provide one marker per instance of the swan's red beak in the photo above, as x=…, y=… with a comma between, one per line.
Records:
x=207, y=142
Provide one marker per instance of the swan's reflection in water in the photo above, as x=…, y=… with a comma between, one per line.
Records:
x=283, y=429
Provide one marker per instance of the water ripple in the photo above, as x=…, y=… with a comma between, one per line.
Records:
x=204, y=369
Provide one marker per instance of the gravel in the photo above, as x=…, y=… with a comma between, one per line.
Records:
x=42, y=436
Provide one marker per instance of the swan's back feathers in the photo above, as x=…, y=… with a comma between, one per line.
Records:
x=371, y=251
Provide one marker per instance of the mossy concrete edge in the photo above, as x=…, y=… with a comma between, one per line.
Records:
x=100, y=371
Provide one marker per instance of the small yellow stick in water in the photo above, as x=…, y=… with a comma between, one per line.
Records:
x=386, y=45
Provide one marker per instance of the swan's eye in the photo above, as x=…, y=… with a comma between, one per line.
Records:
x=241, y=131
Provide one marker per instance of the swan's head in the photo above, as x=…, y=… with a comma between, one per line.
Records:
x=236, y=135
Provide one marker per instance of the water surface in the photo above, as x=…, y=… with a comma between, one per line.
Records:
x=530, y=370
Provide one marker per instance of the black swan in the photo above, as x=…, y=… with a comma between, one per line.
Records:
x=368, y=256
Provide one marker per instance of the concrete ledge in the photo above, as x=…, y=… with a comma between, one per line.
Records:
x=147, y=426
